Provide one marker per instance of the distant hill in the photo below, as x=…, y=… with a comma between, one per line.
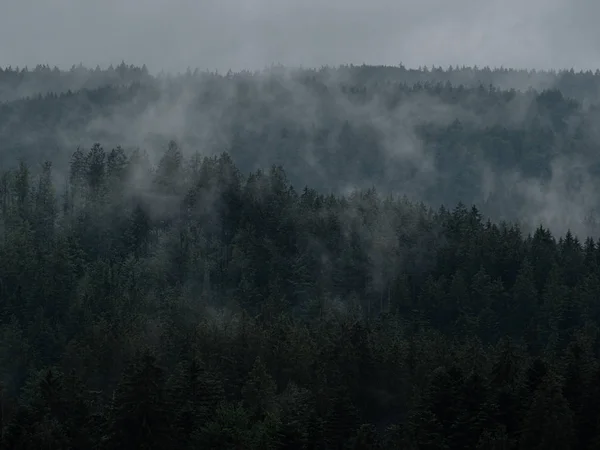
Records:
x=440, y=136
x=16, y=83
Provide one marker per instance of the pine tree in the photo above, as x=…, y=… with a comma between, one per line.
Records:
x=549, y=421
x=342, y=418
x=229, y=428
x=523, y=301
x=141, y=416
x=259, y=391
x=196, y=393
x=473, y=416
x=297, y=408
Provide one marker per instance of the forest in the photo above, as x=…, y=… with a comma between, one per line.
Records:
x=325, y=266
x=521, y=152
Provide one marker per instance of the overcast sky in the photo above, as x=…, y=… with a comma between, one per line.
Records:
x=252, y=34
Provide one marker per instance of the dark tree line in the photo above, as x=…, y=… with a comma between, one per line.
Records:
x=185, y=305
x=19, y=82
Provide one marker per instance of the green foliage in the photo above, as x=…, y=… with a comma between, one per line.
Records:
x=187, y=306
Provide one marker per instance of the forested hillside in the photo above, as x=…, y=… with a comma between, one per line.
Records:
x=16, y=83
x=522, y=145
x=186, y=304
x=355, y=257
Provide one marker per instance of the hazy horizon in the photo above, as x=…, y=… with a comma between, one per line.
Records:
x=252, y=35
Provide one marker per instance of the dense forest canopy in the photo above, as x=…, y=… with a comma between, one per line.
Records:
x=527, y=155
x=261, y=261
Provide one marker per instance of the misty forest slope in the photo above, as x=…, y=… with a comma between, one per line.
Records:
x=189, y=306
x=437, y=136
x=225, y=285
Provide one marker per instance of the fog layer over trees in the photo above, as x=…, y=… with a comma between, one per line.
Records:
x=261, y=261
x=521, y=145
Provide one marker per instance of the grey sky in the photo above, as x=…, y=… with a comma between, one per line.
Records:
x=236, y=34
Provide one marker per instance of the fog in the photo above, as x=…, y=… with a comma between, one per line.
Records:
x=252, y=34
